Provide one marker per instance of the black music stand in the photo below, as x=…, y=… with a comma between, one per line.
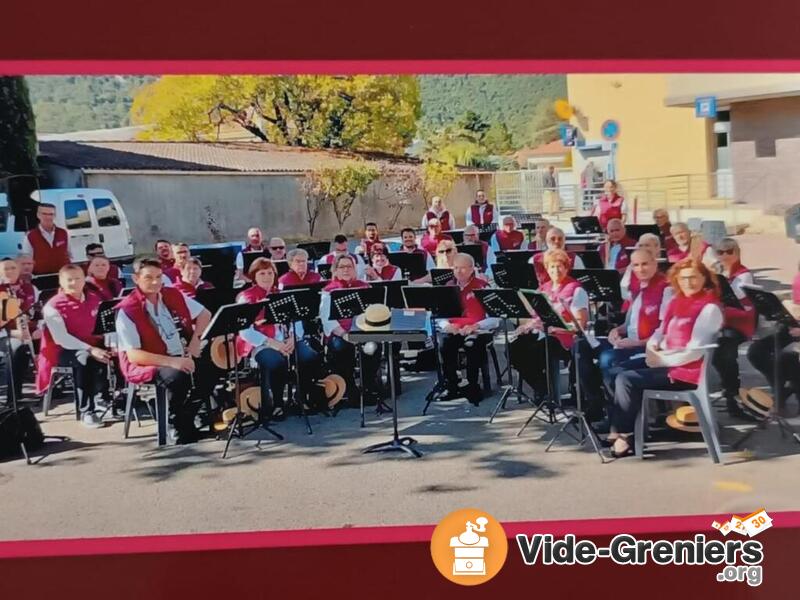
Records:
x=214, y=298
x=394, y=291
x=228, y=321
x=601, y=285
x=591, y=259
x=769, y=306
x=249, y=257
x=289, y=307
x=281, y=266
x=316, y=250
x=727, y=295
x=348, y=304
x=518, y=256
x=485, y=232
x=412, y=264
x=475, y=251
x=46, y=282
x=443, y=302
x=636, y=230
x=505, y=304
x=456, y=234
x=516, y=274
x=440, y=277
x=105, y=324
x=219, y=263
x=324, y=270
x=587, y=224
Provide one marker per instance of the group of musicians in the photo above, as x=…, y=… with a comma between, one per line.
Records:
x=667, y=317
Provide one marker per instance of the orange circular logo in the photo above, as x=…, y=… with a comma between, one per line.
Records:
x=469, y=546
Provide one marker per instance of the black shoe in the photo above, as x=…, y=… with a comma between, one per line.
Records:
x=734, y=409
x=601, y=426
x=474, y=394
x=453, y=393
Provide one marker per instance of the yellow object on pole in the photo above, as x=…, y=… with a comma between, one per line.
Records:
x=563, y=109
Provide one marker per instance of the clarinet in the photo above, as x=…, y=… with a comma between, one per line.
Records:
x=184, y=346
x=24, y=326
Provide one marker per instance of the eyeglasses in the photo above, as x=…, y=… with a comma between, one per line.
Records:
x=93, y=254
x=277, y=247
x=445, y=251
x=728, y=251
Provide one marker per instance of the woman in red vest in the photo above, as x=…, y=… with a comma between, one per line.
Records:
x=341, y=353
x=298, y=273
x=556, y=240
x=508, y=237
x=47, y=243
x=98, y=281
x=190, y=281
x=673, y=354
x=432, y=237
x=68, y=341
x=472, y=330
x=380, y=269
x=153, y=324
x=440, y=212
x=739, y=325
x=610, y=205
x=21, y=337
x=528, y=355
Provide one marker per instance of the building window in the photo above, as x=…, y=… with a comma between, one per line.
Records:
x=76, y=214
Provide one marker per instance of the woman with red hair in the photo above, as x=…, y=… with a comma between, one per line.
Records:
x=674, y=353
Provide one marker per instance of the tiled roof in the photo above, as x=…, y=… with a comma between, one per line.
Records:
x=254, y=157
x=550, y=149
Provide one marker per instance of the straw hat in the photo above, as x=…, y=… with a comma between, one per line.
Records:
x=249, y=403
x=377, y=317
x=684, y=419
x=756, y=403
x=333, y=386
x=219, y=355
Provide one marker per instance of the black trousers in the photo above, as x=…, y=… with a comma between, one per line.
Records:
x=176, y=385
x=90, y=377
x=726, y=360
x=529, y=357
x=628, y=391
x=761, y=355
x=475, y=353
x=342, y=360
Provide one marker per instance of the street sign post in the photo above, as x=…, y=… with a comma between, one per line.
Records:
x=705, y=107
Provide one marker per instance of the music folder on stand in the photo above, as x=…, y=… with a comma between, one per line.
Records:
x=105, y=325
x=412, y=264
x=227, y=322
x=602, y=286
x=406, y=326
x=475, y=251
x=588, y=224
x=769, y=306
x=506, y=304
x=443, y=302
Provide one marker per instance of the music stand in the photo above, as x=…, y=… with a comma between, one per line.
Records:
x=215, y=297
x=227, y=322
x=726, y=293
x=105, y=325
x=249, y=257
x=456, y=234
x=412, y=264
x=505, y=304
x=589, y=224
x=485, y=232
x=440, y=277
x=515, y=274
x=591, y=259
x=523, y=255
x=769, y=306
x=46, y=282
x=475, y=251
x=316, y=250
x=281, y=266
x=540, y=305
x=287, y=308
x=324, y=270
x=637, y=230
x=443, y=302
x=602, y=285
x=219, y=263
x=394, y=292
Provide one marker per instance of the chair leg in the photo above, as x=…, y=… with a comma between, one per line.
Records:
x=130, y=395
x=707, y=429
x=48, y=397
x=162, y=415
x=639, y=430
x=76, y=397
x=496, y=363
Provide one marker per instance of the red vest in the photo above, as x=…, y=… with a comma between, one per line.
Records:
x=133, y=305
x=250, y=248
x=676, y=254
x=536, y=245
x=107, y=289
x=509, y=241
x=26, y=294
x=648, y=319
x=113, y=271
x=444, y=219
x=473, y=309
x=796, y=289
x=682, y=313
x=429, y=243
x=488, y=214
x=292, y=278
x=609, y=209
x=47, y=258
x=367, y=245
x=387, y=273
x=666, y=234
x=623, y=260
x=250, y=296
x=79, y=319
x=329, y=258
x=562, y=300
x=189, y=290
x=541, y=272
x=338, y=284
x=742, y=320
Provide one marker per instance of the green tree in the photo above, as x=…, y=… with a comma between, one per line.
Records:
x=17, y=128
x=498, y=139
x=359, y=112
x=338, y=186
x=544, y=125
x=438, y=179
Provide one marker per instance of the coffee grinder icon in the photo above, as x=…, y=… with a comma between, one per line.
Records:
x=469, y=549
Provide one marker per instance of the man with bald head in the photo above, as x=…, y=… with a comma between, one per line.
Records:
x=255, y=243
x=618, y=241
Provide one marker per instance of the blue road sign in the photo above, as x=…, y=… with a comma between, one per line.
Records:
x=705, y=107
x=610, y=130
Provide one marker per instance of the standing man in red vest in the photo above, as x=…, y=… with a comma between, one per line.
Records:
x=150, y=324
x=68, y=341
x=472, y=325
x=438, y=210
x=47, y=243
x=481, y=212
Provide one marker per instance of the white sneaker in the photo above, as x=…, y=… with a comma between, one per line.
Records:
x=91, y=421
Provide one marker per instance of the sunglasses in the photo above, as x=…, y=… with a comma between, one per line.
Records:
x=448, y=251
x=722, y=252
x=277, y=247
x=93, y=254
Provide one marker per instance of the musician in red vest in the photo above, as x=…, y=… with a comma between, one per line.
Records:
x=610, y=205
x=47, y=243
x=190, y=281
x=277, y=249
x=166, y=258
x=481, y=212
x=370, y=237
x=647, y=241
x=342, y=353
x=618, y=241
x=508, y=237
x=340, y=248
x=255, y=243
x=689, y=245
x=555, y=240
x=298, y=273
x=539, y=242
x=473, y=237
x=98, y=280
x=68, y=341
x=472, y=331
x=430, y=240
x=409, y=237
x=23, y=330
x=528, y=351
x=180, y=253
x=739, y=323
x=153, y=323
x=661, y=219
x=673, y=354
x=380, y=268
x=438, y=211
x=95, y=249
x=25, y=262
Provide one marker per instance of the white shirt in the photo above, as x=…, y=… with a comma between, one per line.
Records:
x=255, y=338
x=49, y=237
x=240, y=258
x=632, y=317
x=704, y=332
x=328, y=325
x=360, y=264
x=58, y=329
x=128, y=335
x=424, y=222
x=481, y=210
